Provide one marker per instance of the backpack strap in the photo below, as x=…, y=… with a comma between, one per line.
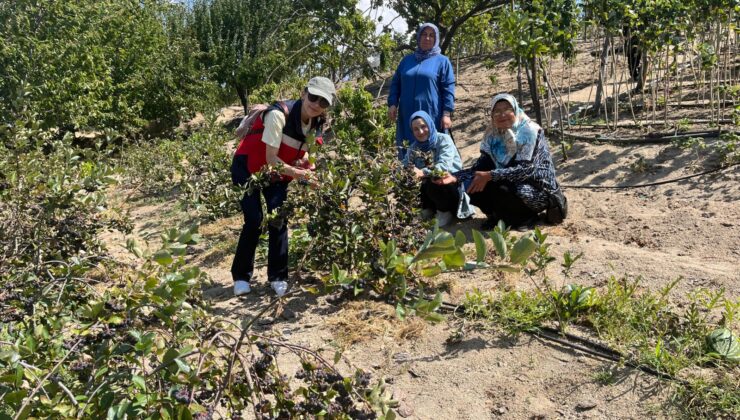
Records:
x=284, y=107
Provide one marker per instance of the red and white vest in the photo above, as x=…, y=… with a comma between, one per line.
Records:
x=293, y=142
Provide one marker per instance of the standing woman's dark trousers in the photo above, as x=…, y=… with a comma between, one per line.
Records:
x=439, y=197
x=498, y=200
x=277, y=254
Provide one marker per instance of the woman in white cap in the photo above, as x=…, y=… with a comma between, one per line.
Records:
x=277, y=137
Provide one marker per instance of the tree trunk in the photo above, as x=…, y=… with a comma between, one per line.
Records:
x=243, y=97
x=533, y=92
x=602, y=74
x=519, y=82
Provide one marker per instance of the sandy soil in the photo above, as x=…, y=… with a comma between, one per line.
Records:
x=688, y=229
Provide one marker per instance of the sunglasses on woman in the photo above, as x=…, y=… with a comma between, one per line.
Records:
x=320, y=99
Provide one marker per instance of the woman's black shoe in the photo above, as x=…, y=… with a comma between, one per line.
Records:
x=490, y=223
x=527, y=225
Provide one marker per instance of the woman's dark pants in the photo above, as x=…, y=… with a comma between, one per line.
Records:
x=439, y=197
x=277, y=255
x=497, y=200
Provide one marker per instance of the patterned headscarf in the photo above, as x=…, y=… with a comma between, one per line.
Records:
x=419, y=53
x=519, y=140
x=431, y=143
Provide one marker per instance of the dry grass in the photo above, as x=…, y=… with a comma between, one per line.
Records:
x=411, y=329
x=220, y=240
x=222, y=227
x=362, y=321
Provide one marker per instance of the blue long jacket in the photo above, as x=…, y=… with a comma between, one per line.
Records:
x=428, y=86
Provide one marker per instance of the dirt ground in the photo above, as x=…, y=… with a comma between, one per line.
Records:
x=688, y=229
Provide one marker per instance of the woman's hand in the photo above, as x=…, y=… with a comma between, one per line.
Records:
x=392, y=113
x=445, y=180
x=418, y=173
x=306, y=176
x=480, y=180
x=446, y=122
x=304, y=163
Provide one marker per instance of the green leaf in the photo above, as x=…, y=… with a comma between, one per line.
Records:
x=182, y=366
x=94, y=309
x=434, y=251
x=522, y=249
x=139, y=382
x=16, y=397
x=10, y=356
x=151, y=284
x=338, y=276
x=400, y=310
x=100, y=372
x=429, y=238
x=454, y=260
x=444, y=239
x=185, y=237
x=431, y=270
x=499, y=243
x=8, y=379
x=480, y=246
x=725, y=344
x=434, y=317
x=311, y=289
x=134, y=247
x=163, y=257
x=460, y=239
x=436, y=303
x=185, y=413
x=170, y=355
x=178, y=249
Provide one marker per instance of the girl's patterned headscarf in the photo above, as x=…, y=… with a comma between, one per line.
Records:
x=519, y=140
x=423, y=55
x=431, y=143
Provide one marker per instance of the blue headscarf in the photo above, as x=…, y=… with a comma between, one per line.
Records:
x=519, y=140
x=431, y=143
x=423, y=55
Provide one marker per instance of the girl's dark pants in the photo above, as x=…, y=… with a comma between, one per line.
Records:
x=277, y=254
x=439, y=197
x=497, y=200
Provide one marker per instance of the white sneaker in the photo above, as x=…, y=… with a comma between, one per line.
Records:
x=427, y=214
x=241, y=287
x=280, y=287
x=444, y=218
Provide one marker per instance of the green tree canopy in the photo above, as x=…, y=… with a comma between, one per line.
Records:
x=248, y=43
x=449, y=16
x=98, y=63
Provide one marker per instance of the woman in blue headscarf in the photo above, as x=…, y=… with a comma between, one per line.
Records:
x=423, y=81
x=514, y=177
x=433, y=156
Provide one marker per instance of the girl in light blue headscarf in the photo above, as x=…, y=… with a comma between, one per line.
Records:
x=432, y=156
x=423, y=81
